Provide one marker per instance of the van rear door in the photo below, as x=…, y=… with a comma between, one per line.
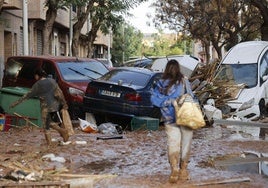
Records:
x=20, y=72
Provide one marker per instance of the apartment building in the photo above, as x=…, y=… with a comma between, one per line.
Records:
x=11, y=31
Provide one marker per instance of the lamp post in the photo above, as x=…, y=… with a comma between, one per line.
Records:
x=70, y=30
x=25, y=28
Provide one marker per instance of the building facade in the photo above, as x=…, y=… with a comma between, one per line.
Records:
x=12, y=36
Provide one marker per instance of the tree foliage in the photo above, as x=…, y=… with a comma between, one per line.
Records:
x=104, y=15
x=164, y=45
x=262, y=6
x=222, y=23
x=127, y=42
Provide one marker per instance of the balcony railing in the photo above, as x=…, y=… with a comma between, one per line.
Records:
x=12, y=4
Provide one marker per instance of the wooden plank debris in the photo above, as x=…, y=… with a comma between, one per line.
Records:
x=26, y=119
x=224, y=181
x=47, y=184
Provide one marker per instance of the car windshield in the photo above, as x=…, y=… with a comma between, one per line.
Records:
x=238, y=74
x=79, y=71
x=127, y=77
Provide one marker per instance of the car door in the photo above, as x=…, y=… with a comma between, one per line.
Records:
x=20, y=72
x=263, y=77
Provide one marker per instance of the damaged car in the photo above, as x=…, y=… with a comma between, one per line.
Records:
x=245, y=68
x=122, y=92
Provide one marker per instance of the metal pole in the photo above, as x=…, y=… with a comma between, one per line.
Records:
x=25, y=28
x=123, y=55
x=70, y=31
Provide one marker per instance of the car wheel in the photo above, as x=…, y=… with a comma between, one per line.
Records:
x=100, y=118
x=263, y=108
x=74, y=115
x=263, y=113
x=156, y=113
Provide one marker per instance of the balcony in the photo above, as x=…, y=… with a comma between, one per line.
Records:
x=12, y=4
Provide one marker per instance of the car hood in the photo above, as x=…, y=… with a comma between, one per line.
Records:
x=243, y=95
x=187, y=64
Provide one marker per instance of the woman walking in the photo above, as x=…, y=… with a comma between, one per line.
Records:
x=179, y=138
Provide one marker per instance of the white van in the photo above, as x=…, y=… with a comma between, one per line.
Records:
x=187, y=63
x=246, y=64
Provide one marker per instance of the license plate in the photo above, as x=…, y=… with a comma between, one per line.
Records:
x=110, y=93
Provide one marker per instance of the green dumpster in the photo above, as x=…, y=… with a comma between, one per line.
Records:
x=29, y=109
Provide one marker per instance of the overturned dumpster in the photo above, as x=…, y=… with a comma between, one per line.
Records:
x=28, y=112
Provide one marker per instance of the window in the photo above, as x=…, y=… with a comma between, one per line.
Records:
x=264, y=65
x=79, y=71
x=20, y=68
x=49, y=69
x=127, y=77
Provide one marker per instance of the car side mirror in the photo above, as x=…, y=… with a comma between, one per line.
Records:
x=264, y=78
x=154, y=84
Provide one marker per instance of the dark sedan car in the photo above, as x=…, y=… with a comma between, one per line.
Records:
x=124, y=92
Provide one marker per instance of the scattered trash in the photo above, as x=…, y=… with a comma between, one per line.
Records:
x=264, y=164
x=21, y=175
x=52, y=157
x=248, y=161
x=81, y=142
x=212, y=112
x=108, y=128
x=5, y=121
x=87, y=126
x=109, y=137
x=54, y=140
x=65, y=143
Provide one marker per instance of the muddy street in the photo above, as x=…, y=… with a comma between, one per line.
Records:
x=221, y=156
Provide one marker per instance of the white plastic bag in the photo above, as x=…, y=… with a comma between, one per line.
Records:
x=108, y=128
x=88, y=127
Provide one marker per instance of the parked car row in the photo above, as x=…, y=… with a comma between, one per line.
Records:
x=89, y=86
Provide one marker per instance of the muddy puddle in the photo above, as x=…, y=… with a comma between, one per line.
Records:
x=248, y=162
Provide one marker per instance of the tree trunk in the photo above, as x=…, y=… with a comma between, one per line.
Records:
x=51, y=15
x=76, y=35
x=218, y=49
x=75, y=42
x=91, y=38
x=77, y=27
x=206, y=45
x=264, y=32
x=90, y=50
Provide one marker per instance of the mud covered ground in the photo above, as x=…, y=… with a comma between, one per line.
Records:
x=139, y=159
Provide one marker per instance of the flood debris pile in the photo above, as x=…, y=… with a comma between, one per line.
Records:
x=31, y=168
x=208, y=89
